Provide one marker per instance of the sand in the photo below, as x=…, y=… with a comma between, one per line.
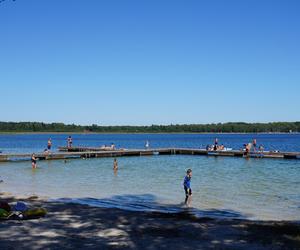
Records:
x=76, y=226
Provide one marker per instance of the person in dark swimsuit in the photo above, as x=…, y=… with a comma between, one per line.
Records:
x=33, y=161
x=216, y=141
x=216, y=144
x=49, y=144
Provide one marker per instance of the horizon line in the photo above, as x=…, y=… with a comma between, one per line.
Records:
x=153, y=124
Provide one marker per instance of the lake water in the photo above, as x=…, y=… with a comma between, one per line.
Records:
x=229, y=187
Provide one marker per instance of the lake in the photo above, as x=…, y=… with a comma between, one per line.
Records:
x=223, y=187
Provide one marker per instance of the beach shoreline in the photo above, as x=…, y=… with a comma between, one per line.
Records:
x=72, y=226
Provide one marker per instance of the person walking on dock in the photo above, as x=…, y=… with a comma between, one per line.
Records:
x=254, y=144
x=187, y=187
x=216, y=144
x=49, y=144
x=69, y=142
x=216, y=141
x=33, y=161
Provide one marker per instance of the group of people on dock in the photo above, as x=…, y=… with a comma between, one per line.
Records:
x=47, y=150
x=215, y=146
x=248, y=147
x=111, y=147
x=49, y=143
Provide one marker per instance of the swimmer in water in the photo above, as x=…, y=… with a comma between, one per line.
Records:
x=115, y=168
x=33, y=161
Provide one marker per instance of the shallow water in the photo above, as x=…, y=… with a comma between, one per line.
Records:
x=228, y=187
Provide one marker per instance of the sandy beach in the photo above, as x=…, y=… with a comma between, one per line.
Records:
x=74, y=226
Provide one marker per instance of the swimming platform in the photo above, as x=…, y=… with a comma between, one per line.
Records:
x=65, y=153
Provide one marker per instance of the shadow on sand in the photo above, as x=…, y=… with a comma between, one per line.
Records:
x=149, y=203
x=73, y=226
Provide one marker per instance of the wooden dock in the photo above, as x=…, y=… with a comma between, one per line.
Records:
x=81, y=149
x=145, y=152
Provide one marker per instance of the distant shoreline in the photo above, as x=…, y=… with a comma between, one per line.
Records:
x=213, y=128
x=158, y=133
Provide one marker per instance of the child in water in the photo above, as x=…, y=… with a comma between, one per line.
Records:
x=33, y=161
x=187, y=186
x=115, y=165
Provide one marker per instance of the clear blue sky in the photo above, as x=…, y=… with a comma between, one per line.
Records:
x=149, y=62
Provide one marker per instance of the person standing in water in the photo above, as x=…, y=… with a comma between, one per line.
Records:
x=49, y=144
x=115, y=165
x=187, y=186
x=247, y=149
x=33, y=161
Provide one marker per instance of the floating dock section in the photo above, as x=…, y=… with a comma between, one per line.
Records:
x=82, y=149
x=83, y=152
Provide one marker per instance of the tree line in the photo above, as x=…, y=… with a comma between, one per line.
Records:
x=229, y=127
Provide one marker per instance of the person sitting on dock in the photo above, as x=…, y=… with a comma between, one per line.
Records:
x=33, y=161
x=69, y=142
x=147, y=145
x=108, y=148
x=46, y=151
x=261, y=148
x=187, y=186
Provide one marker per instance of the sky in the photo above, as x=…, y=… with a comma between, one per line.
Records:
x=149, y=62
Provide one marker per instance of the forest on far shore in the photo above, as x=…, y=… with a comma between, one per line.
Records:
x=229, y=127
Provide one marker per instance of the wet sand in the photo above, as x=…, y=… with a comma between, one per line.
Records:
x=74, y=226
